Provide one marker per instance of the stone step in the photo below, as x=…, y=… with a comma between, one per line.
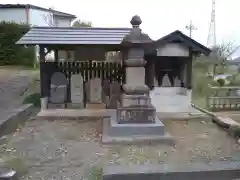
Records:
x=188, y=171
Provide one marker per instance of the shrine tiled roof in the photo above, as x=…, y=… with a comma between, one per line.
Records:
x=73, y=36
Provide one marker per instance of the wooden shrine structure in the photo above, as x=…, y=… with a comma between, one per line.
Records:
x=171, y=54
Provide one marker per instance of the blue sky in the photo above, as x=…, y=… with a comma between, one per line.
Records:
x=159, y=17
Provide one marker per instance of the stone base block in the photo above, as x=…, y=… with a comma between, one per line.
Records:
x=129, y=100
x=116, y=129
x=75, y=105
x=136, y=114
x=95, y=106
x=134, y=133
x=56, y=106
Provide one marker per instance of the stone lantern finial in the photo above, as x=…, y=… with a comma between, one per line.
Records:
x=136, y=36
x=136, y=21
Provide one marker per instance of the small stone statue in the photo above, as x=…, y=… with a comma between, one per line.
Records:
x=177, y=82
x=155, y=82
x=166, y=82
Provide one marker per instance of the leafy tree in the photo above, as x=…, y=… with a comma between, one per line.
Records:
x=80, y=23
x=10, y=52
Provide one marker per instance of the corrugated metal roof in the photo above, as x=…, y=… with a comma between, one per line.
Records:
x=72, y=35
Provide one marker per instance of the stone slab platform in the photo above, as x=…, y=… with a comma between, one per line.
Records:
x=193, y=171
x=73, y=114
x=134, y=133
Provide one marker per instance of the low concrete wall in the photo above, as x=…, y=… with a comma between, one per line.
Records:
x=195, y=171
x=18, y=116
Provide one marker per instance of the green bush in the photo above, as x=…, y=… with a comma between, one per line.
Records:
x=201, y=81
x=236, y=80
x=221, y=82
x=11, y=53
x=33, y=99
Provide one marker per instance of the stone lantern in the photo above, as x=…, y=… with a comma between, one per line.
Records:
x=136, y=103
x=135, y=119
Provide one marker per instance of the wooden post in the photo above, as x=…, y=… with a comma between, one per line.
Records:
x=43, y=79
x=56, y=58
x=189, y=70
x=149, y=73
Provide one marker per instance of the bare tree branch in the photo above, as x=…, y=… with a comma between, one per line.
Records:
x=48, y=18
x=222, y=51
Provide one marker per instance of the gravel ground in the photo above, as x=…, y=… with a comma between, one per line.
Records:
x=13, y=84
x=69, y=149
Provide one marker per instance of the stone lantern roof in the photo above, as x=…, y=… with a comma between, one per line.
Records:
x=136, y=36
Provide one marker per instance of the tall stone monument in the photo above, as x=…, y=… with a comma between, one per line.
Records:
x=136, y=118
x=136, y=105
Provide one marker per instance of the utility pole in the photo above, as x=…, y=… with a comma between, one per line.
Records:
x=190, y=28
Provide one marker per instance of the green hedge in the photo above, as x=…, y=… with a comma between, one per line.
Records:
x=10, y=53
x=33, y=99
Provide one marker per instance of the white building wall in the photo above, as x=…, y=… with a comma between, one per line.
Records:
x=15, y=14
x=62, y=22
x=173, y=49
x=38, y=17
